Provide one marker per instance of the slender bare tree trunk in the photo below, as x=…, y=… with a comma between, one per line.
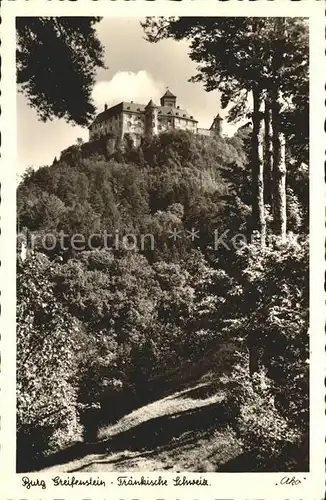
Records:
x=280, y=190
x=268, y=154
x=279, y=165
x=279, y=172
x=258, y=207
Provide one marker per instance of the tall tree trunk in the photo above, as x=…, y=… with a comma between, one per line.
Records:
x=253, y=360
x=268, y=154
x=279, y=171
x=280, y=189
x=279, y=165
x=258, y=207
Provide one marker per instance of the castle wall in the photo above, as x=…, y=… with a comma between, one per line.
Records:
x=133, y=123
x=137, y=121
x=205, y=131
x=166, y=123
x=112, y=125
x=189, y=125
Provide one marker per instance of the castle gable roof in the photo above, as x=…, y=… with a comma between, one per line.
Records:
x=131, y=107
x=168, y=93
x=168, y=111
x=150, y=104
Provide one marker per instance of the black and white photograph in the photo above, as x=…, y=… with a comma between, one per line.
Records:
x=163, y=249
x=163, y=279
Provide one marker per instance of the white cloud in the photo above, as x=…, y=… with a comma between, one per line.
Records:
x=128, y=86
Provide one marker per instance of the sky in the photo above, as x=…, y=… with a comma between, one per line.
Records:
x=137, y=71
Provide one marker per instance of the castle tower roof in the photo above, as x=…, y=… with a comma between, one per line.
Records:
x=150, y=104
x=217, y=125
x=168, y=99
x=168, y=93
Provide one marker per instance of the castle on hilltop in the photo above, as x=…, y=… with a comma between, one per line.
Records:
x=139, y=120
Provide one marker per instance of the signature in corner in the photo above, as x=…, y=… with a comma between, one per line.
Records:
x=290, y=481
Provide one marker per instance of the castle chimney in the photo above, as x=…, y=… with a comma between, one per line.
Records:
x=105, y=107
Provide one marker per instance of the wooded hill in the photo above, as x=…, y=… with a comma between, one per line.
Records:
x=101, y=332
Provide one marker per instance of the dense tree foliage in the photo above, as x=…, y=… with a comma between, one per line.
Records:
x=144, y=271
x=146, y=316
x=48, y=341
x=57, y=59
x=90, y=194
x=268, y=58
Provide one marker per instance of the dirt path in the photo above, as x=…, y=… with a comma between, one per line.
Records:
x=183, y=431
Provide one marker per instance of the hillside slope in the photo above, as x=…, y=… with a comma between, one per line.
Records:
x=183, y=431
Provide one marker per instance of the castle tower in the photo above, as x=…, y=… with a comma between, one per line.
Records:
x=151, y=119
x=168, y=99
x=217, y=126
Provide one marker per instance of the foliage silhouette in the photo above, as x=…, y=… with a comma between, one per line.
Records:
x=57, y=59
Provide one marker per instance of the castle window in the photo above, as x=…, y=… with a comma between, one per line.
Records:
x=129, y=124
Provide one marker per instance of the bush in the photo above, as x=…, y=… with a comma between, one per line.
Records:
x=47, y=417
x=263, y=430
